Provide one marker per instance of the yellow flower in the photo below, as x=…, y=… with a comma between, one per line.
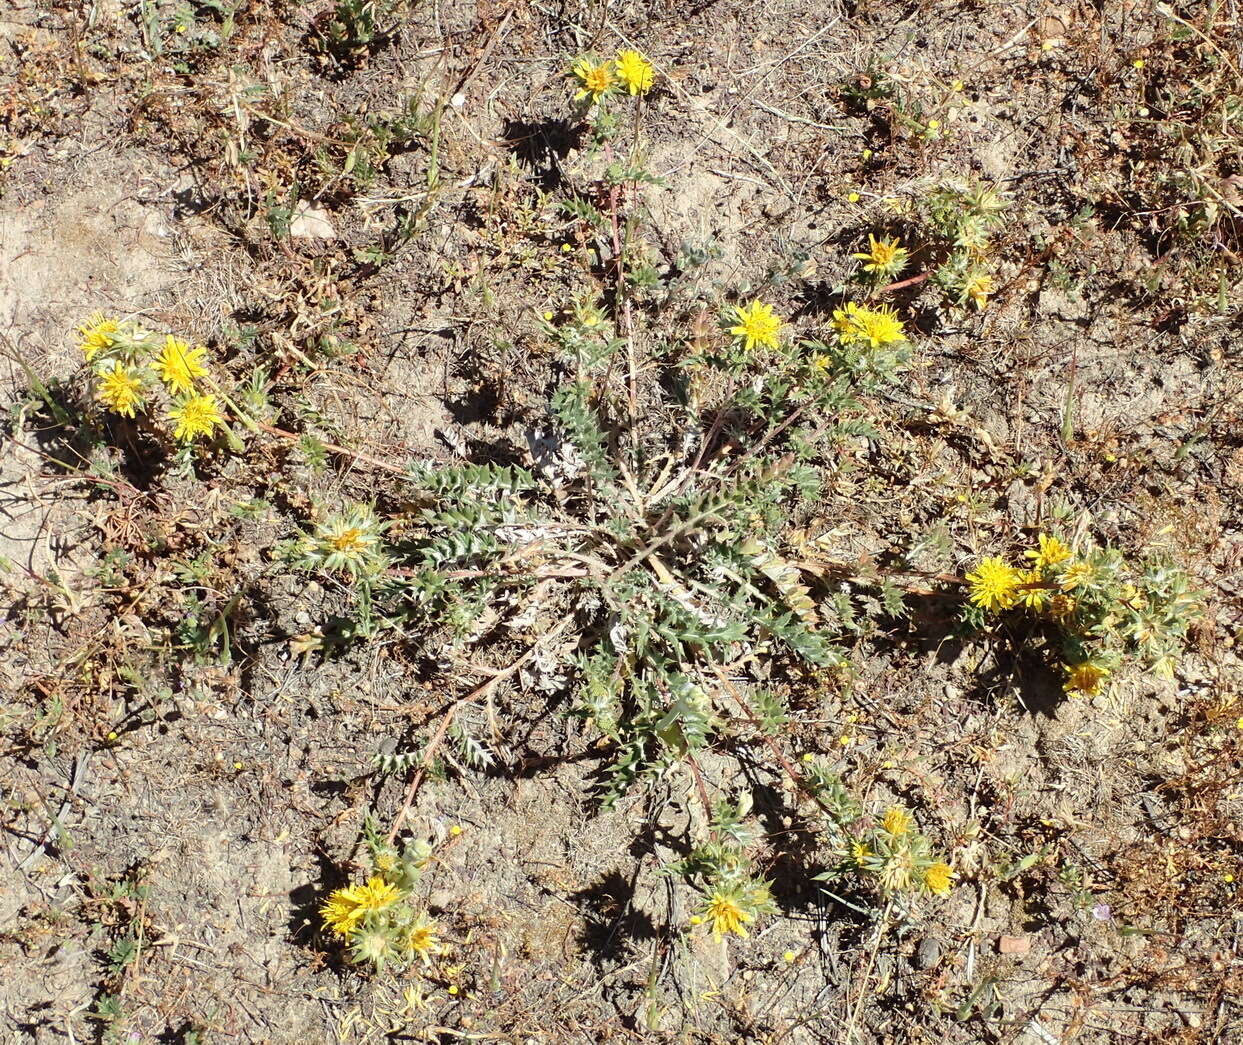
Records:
x=98, y=333
x=1049, y=551
x=422, y=938
x=1132, y=596
x=994, y=584
x=179, y=364
x=877, y=326
x=634, y=71
x=1085, y=679
x=726, y=915
x=1032, y=591
x=352, y=540
x=895, y=876
x=885, y=257
x=596, y=79
x=120, y=390
x=1077, y=575
x=896, y=821
x=938, y=878
x=978, y=288
x=194, y=417
x=345, y=908
x=859, y=852
x=758, y=324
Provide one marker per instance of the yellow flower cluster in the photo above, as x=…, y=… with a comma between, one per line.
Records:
x=1087, y=594
x=376, y=918
x=995, y=585
x=898, y=858
x=733, y=904
x=128, y=368
x=726, y=915
x=630, y=69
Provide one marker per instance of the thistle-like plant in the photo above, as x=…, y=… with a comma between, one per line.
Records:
x=883, y=854
x=732, y=894
x=649, y=524
x=378, y=920
x=1099, y=607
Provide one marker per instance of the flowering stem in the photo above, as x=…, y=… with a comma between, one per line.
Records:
x=912, y=281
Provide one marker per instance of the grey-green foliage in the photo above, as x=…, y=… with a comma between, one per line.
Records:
x=650, y=526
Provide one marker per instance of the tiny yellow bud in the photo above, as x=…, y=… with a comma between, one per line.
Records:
x=852, y=198
x=1239, y=724
x=453, y=988
x=1047, y=45
x=844, y=741
x=455, y=830
x=1138, y=63
x=933, y=124
x=957, y=85
x=1142, y=110
x=566, y=248
x=112, y=735
x=237, y=765
x=548, y=316
x=1227, y=877
x=867, y=154
x=789, y=956
x=808, y=757
x=696, y=920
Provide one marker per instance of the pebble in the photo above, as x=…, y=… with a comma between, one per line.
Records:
x=928, y=953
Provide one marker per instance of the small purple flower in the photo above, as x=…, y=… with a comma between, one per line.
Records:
x=1102, y=913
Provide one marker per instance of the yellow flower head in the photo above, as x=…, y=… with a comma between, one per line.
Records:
x=1077, y=575
x=876, y=326
x=179, y=364
x=758, y=324
x=1085, y=679
x=194, y=417
x=634, y=71
x=726, y=915
x=896, y=821
x=938, y=878
x=1049, y=551
x=978, y=288
x=859, y=852
x=884, y=257
x=596, y=80
x=895, y=876
x=422, y=938
x=98, y=333
x=345, y=908
x=994, y=584
x=119, y=389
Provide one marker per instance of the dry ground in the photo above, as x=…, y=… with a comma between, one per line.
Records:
x=152, y=158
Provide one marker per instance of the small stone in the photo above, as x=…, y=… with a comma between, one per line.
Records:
x=928, y=953
x=1014, y=945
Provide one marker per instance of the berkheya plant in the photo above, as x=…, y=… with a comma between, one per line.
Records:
x=643, y=541
x=159, y=381
x=1099, y=607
